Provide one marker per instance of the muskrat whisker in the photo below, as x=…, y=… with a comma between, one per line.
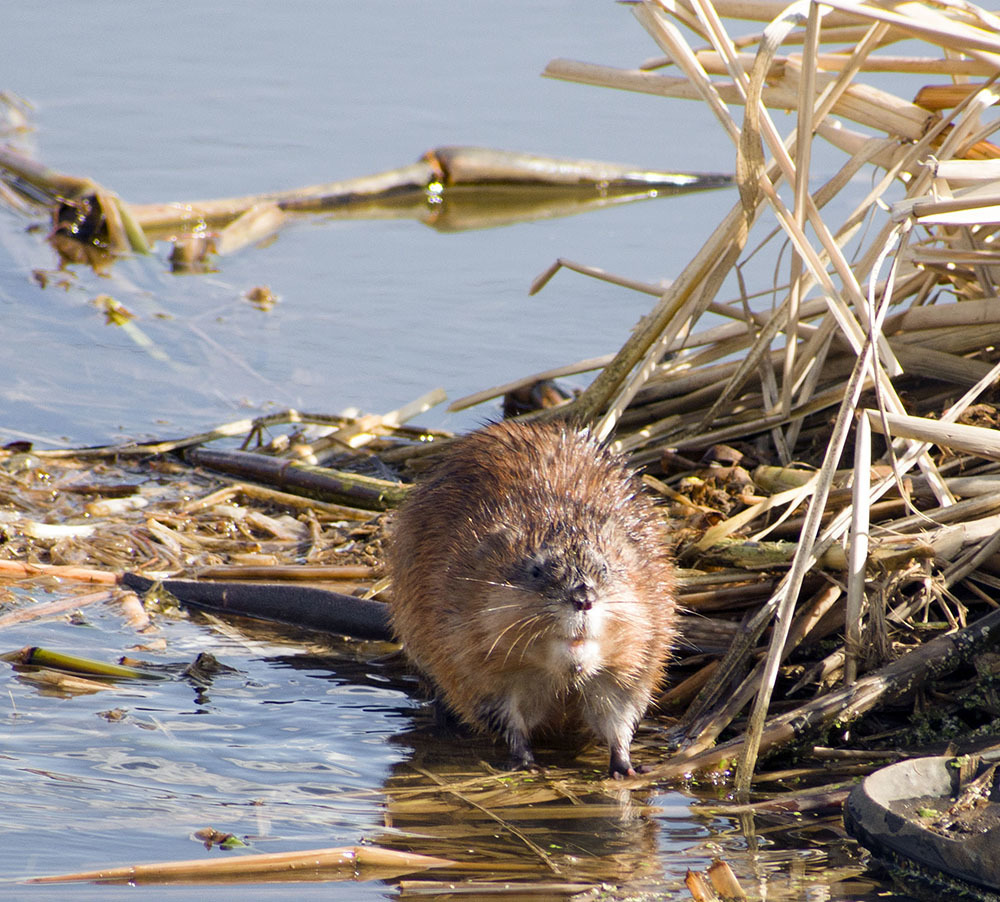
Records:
x=528, y=644
x=502, y=607
x=504, y=632
x=521, y=635
x=487, y=582
x=523, y=624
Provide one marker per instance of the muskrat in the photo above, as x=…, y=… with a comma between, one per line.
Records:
x=533, y=587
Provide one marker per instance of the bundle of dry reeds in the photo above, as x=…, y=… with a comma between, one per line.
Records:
x=900, y=339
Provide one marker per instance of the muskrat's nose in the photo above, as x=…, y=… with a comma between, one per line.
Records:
x=582, y=597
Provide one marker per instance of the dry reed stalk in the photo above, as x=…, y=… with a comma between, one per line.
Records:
x=836, y=62
x=283, y=499
x=972, y=439
x=345, y=863
x=670, y=38
x=574, y=892
x=857, y=550
x=724, y=882
x=51, y=608
x=64, y=683
x=862, y=106
x=363, y=430
x=699, y=887
x=136, y=615
x=544, y=857
x=684, y=692
x=25, y=570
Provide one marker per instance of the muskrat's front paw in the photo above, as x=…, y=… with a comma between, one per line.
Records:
x=522, y=762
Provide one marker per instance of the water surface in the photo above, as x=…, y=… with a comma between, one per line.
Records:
x=371, y=314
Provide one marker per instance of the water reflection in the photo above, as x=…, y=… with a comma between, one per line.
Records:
x=310, y=742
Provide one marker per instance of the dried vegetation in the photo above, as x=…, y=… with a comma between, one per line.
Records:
x=824, y=437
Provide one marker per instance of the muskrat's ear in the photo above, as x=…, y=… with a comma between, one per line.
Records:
x=492, y=547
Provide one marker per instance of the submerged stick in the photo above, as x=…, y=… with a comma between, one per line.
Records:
x=295, y=605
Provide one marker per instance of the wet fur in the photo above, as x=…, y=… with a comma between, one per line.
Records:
x=532, y=586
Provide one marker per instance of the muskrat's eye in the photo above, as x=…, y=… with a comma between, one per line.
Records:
x=535, y=571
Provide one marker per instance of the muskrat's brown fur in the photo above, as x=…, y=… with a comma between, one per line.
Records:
x=532, y=585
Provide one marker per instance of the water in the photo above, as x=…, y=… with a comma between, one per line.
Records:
x=371, y=314
x=304, y=743
x=301, y=748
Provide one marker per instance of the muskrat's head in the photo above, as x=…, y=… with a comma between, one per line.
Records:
x=556, y=595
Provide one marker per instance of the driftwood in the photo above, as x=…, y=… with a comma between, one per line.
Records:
x=303, y=479
x=467, y=168
x=449, y=188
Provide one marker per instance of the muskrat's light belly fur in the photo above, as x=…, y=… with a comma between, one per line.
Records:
x=532, y=585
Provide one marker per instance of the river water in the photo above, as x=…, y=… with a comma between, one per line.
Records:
x=161, y=105
x=161, y=102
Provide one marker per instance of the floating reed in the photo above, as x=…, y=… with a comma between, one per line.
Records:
x=345, y=863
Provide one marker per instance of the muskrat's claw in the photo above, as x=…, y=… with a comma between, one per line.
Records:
x=620, y=765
